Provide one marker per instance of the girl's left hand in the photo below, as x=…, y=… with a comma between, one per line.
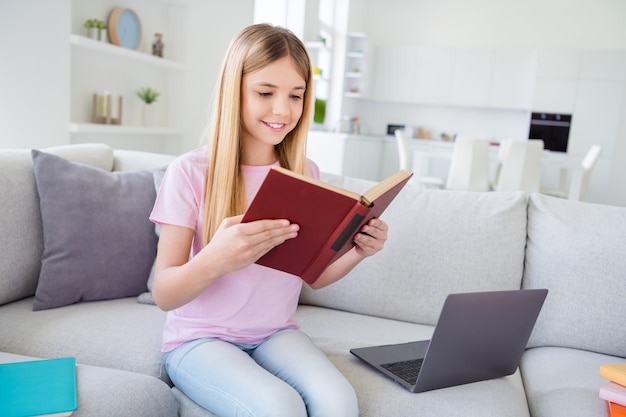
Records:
x=371, y=238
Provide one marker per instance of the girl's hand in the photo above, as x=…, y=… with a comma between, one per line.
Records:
x=371, y=238
x=238, y=244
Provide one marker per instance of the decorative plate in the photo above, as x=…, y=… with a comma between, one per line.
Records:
x=125, y=28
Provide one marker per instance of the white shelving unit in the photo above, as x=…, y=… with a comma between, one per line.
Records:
x=355, y=84
x=98, y=66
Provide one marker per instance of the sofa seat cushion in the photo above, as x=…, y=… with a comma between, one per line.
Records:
x=335, y=332
x=104, y=392
x=577, y=250
x=439, y=242
x=564, y=382
x=119, y=334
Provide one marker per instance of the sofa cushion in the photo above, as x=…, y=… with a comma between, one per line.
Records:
x=564, y=382
x=146, y=297
x=439, y=242
x=120, y=334
x=21, y=244
x=98, y=241
x=104, y=392
x=335, y=332
x=578, y=251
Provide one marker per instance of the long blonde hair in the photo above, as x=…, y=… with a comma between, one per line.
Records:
x=252, y=49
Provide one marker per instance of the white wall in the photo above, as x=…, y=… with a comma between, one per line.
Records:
x=34, y=72
x=35, y=66
x=212, y=25
x=494, y=23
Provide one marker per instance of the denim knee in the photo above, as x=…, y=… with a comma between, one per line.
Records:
x=336, y=399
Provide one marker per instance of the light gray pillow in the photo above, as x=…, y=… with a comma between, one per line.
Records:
x=146, y=297
x=439, y=242
x=577, y=251
x=98, y=241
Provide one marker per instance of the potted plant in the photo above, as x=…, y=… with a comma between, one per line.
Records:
x=148, y=96
x=95, y=29
x=92, y=28
x=102, y=30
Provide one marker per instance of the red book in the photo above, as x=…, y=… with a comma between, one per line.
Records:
x=615, y=410
x=328, y=217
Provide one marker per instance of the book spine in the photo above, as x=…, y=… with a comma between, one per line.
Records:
x=337, y=244
x=613, y=374
x=613, y=392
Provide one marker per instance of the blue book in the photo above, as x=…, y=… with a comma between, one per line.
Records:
x=38, y=388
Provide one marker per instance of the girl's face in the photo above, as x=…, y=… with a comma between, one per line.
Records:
x=272, y=100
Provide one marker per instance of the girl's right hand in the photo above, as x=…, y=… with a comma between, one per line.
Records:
x=238, y=244
x=235, y=245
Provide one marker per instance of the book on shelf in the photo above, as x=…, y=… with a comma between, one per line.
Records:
x=615, y=372
x=613, y=392
x=615, y=410
x=44, y=387
x=328, y=216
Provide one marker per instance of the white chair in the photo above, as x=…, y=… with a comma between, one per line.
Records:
x=404, y=151
x=469, y=167
x=579, y=182
x=520, y=165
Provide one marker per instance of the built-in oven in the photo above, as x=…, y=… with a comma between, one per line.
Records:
x=552, y=128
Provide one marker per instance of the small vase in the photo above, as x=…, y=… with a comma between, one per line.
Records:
x=147, y=115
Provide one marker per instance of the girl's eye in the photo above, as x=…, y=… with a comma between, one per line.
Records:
x=296, y=97
x=263, y=94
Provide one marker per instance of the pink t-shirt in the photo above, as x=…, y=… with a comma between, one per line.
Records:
x=242, y=307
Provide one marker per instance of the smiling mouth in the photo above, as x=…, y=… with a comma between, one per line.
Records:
x=275, y=125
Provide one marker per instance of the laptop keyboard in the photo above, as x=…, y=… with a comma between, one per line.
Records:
x=405, y=370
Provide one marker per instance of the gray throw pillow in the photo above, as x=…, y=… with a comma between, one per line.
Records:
x=98, y=241
x=146, y=297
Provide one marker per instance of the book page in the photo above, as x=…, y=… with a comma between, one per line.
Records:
x=388, y=183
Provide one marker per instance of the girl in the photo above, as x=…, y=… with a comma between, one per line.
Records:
x=230, y=339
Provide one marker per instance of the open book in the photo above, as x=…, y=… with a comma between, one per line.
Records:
x=328, y=217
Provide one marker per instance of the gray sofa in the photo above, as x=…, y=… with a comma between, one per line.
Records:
x=440, y=242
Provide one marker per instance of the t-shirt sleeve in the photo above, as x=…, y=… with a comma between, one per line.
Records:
x=178, y=199
x=313, y=170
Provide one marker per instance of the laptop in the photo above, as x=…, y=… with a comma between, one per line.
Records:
x=479, y=336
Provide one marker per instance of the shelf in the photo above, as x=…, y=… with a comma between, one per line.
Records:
x=120, y=130
x=351, y=94
x=354, y=74
x=316, y=45
x=114, y=50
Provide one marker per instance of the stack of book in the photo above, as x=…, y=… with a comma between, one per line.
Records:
x=614, y=392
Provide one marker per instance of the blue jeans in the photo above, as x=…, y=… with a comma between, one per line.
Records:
x=286, y=375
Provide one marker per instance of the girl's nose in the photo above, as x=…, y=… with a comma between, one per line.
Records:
x=281, y=106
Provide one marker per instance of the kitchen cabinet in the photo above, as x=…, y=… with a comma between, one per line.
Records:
x=393, y=76
x=556, y=80
x=345, y=154
x=471, y=78
x=433, y=71
x=485, y=78
x=512, y=79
